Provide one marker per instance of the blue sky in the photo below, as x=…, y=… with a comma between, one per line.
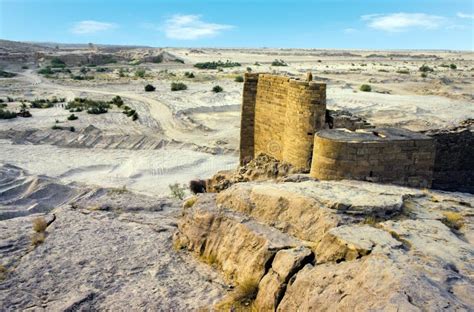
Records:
x=353, y=24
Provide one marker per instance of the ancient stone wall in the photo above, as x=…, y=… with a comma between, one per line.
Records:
x=383, y=155
x=454, y=161
x=280, y=117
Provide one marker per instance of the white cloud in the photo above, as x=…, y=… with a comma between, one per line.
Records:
x=397, y=22
x=190, y=27
x=464, y=15
x=91, y=27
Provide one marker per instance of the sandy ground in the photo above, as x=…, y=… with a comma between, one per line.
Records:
x=203, y=126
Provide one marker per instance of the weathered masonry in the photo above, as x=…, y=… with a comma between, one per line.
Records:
x=454, y=161
x=280, y=116
x=381, y=155
x=286, y=119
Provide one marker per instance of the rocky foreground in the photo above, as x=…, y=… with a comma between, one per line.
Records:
x=327, y=246
x=108, y=249
x=293, y=245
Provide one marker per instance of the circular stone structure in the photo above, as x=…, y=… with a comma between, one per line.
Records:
x=385, y=155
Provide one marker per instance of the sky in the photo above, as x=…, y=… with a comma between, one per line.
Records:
x=323, y=24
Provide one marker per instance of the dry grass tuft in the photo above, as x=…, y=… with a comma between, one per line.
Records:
x=242, y=298
x=39, y=225
x=453, y=220
x=210, y=259
x=190, y=202
x=117, y=190
x=3, y=272
x=38, y=238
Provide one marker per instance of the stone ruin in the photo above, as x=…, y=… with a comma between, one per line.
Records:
x=287, y=119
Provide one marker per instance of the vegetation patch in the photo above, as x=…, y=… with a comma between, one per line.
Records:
x=453, y=220
x=365, y=88
x=425, y=68
x=217, y=89
x=92, y=106
x=403, y=71
x=279, y=63
x=216, y=65
x=178, y=86
x=140, y=73
x=242, y=298
x=6, y=114
x=5, y=74
x=177, y=190
x=190, y=202
x=72, y=117
x=56, y=62
x=149, y=88
x=239, y=79
x=3, y=272
x=189, y=75
x=46, y=103
x=130, y=113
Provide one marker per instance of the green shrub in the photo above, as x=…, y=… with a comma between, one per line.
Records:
x=72, y=117
x=453, y=66
x=45, y=71
x=23, y=111
x=135, y=116
x=177, y=191
x=403, y=71
x=117, y=100
x=365, y=88
x=279, y=63
x=6, y=114
x=157, y=59
x=46, y=103
x=57, y=63
x=383, y=70
x=72, y=129
x=189, y=75
x=92, y=107
x=140, y=73
x=56, y=127
x=215, y=65
x=97, y=110
x=149, y=88
x=217, y=89
x=24, y=67
x=249, y=69
x=239, y=79
x=425, y=68
x=178, y=86
x=5, y=74
x=424, y=75
x=101, y=69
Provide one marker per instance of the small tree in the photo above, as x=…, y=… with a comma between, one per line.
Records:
x=217, y=89
x=177, y=191
x=72, y=117
x=453, y=66
x=149, y=88
x=239, y=79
